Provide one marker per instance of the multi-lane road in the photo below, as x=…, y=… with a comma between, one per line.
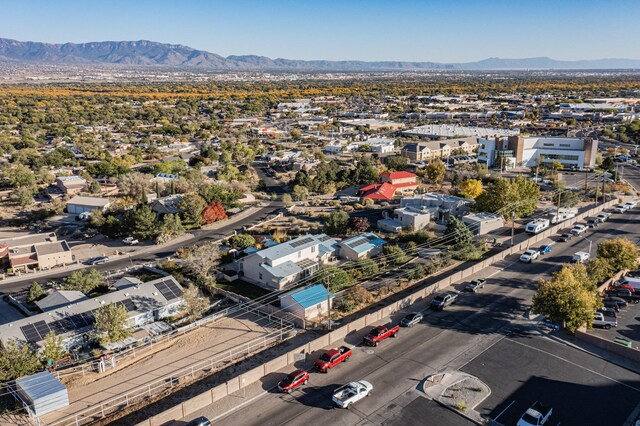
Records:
x=475, y=332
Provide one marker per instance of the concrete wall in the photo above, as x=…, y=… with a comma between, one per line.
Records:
x=608, y=345
x=336, y=336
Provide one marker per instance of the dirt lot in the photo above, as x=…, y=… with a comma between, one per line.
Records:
x=196, y=346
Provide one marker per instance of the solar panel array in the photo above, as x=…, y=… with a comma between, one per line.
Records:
x=306, y=263
x=359, y=242
x=169, y=289
x=128, y=305
x=324, y=238
x=371, y=237
x=37, y=331
x=301, y=242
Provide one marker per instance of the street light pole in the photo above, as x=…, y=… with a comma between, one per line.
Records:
x=513, y=221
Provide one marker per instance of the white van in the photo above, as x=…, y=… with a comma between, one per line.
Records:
x=537, y=226
x=580, y=257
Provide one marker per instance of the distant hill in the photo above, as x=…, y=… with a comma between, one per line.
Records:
x=149, y=53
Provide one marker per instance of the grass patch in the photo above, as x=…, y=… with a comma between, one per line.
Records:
x=243, y=289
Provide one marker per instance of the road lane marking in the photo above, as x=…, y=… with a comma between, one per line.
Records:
x=503, y=411
x=575, y=364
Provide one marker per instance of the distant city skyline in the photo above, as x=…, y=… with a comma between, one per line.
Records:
x=376, y=30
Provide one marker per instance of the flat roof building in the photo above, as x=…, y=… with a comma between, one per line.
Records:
x=435, y=131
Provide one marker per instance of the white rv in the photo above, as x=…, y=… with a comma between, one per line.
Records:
x=537, y=226
x=560, y=215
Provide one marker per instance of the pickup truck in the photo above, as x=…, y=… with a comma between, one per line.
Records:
x=599, y=320
x=333, y=357
x=346, y=395
x=579, y=229
x=476, y=284
x=537, y=415
x=442, y=300
x=378, y=334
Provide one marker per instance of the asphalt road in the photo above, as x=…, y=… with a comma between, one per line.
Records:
x=449, y=339
x=153, y=255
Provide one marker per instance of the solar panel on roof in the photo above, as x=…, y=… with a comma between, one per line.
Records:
x=168, y=289
x=301, y=242
x=371, y=237
x=128, y=305
x=324, y=238
x=359, y=242
x=30, y=333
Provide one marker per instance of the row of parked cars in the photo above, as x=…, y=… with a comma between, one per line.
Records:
x=616, y=298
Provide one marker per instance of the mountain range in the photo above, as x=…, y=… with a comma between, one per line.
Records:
x=154, y=54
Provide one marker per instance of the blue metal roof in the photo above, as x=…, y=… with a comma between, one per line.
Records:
x=363, y=243
x=310, y=295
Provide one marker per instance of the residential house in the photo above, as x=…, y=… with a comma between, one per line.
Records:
x=483, y=223
x=283, y=264
x=36, y=251
x=308, y=302
x=167, y=205
x=144, y=302
x=80, y=204
x=405, y=218
x=59, y=299
x=361, y=246
x=71, y=185
x=392, y=184
x=439, y=206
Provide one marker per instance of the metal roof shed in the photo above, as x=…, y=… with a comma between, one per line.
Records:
x=43, y=392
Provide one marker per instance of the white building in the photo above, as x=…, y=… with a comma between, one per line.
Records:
x=435, y=131
x=308, y=302
x=276, y=267
x=377, y=145
x=439, y=206
x=361, y=246
x=483, y=223
x=407, y=218
x=79, y=204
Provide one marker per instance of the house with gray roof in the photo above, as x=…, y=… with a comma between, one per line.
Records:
x=284, y=264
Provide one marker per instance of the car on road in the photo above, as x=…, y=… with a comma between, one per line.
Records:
x=592, y=222
x=353, y=392
x=96, y=260
x=293, y=380
x=580, y=257
x=130, y=241
x=620, y=208
x=565, y=237
x=200, y=421
x=475, y=285
x=544, y=249
x=411, y=319
x=380, y=333
x=631, y=204
x=599, y=320
x=332, y=357
x=529, y=256
x=579, y=229
x=443, y=300
x=604, y=216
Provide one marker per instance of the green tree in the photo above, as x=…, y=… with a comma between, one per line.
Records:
x=22, y=196
x=600, y=269
x=396, y=163
x=300, y=193
x=17, y=360
x=570, y=297
x=518, y=195
x=337, y=278
x=171, y=225
x=569, y=199
x=621, y=253
x=287, y=200
x=337, y=222
x=134, y=185
x=458, y=234
x=365, y=172
x=36, y=292
x=84, y=280
x=242, y=241
x=52, y=349
x=417, y=272
x=394, y=255
x=142, y=222
x=191, y=207
x=434, y=171
x=368, y=267
x=111, y=323
x=95, y=187
x=20, y=176
x=194, y=305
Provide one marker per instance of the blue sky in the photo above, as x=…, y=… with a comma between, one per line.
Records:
x=441, y=31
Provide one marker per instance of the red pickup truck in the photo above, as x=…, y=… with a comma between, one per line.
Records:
x=332, y=357
x=380, y=333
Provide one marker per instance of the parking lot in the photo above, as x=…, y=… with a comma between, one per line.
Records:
x=628, y=325
x=581, y=388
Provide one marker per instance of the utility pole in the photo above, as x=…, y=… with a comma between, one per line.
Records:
x=513, y=226
x=558, y=207
x=328, y=283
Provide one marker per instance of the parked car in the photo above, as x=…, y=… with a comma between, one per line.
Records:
x=632, y=289
x=333, y=357
x=380, y=333
x=608, y=312
x=443, y=300
x=97, y=260
x=580, y=257
x=293, y=380
x=592, y=222
x=579, y=229
x=626, y=294
x=475, y=285
x=411, y=319
x=617, y=300
x=631, y=204
x=130, y=241
x=544, y=249
x=565, y=237
x=536, y=415
x=603, y=216
x=84, y=216
x=599, y=320
x=620, y=208
x=529, y=256
x=200, y=421
x=346, y=395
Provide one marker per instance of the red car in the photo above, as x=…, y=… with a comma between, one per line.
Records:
x=293, y=380
x=332, y=357
x=378, y=334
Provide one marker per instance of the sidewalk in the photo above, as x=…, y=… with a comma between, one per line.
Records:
x=459, y=392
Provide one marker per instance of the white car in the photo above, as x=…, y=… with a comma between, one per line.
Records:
x=529, y=256
x=579, y=229
x=130, y=241
x=346, y=395
x=603, y=216
x=631, y=204
x=621, y=208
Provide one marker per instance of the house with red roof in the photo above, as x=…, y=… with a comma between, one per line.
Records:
x=392, y=184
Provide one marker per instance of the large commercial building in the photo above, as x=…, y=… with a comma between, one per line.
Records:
x=425, y=151
x=525, y=151
x=435, y=131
